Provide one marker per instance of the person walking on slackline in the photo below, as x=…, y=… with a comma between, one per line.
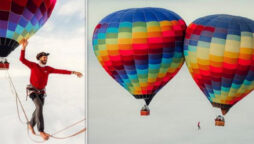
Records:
x=36, y=89
x=199, y=125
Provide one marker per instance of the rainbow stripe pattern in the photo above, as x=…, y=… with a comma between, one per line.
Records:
x=20, y=19
x=219, y=54
x=141, y=48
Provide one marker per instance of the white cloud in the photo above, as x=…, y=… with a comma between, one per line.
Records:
x=71, y=7
x=48, y=26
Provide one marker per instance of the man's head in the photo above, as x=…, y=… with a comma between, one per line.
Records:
x=42, y=57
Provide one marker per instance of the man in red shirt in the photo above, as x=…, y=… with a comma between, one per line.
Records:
x=38, y=81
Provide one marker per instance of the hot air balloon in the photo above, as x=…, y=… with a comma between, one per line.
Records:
x=219, y=54
x=20, y=19
x=140, y=48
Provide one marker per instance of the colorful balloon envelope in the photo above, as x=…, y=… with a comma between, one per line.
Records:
x=219, y=52
x=20, y=19
x=141, y=48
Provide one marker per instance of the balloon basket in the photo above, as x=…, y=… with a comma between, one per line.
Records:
x=4, y=65
x=145, y=112
x=219, y=123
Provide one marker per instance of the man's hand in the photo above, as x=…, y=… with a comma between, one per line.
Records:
x=24, y=43
x=78, y=74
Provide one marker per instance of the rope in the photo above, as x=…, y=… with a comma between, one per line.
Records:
x=17, y=107
x=26, y=117
x=35, y=141
x=17, y=99
x=69, y=136
x=70, y=126
x=13, y=90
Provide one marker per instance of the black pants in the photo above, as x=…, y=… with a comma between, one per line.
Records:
x=37, y=117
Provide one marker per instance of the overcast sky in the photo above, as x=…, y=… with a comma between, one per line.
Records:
x=63, y=36
x=176, y=109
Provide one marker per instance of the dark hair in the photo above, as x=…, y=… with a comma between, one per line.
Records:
x=39, y=55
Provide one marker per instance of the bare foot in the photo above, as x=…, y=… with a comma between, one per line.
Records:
x=44, y=135
x=31, y=129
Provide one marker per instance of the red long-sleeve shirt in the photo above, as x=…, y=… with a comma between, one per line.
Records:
x=39, y=75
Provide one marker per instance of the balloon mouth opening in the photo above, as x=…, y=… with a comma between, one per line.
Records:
x=147, y=97
x=143, y=96
x=7, y=46
x=224, y=107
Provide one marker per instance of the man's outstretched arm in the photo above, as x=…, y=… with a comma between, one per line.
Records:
x=60, y=71
x=22, y=54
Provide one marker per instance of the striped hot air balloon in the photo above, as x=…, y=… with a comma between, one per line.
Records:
x=141, y=48
x=20, y=19
x=219, y=54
